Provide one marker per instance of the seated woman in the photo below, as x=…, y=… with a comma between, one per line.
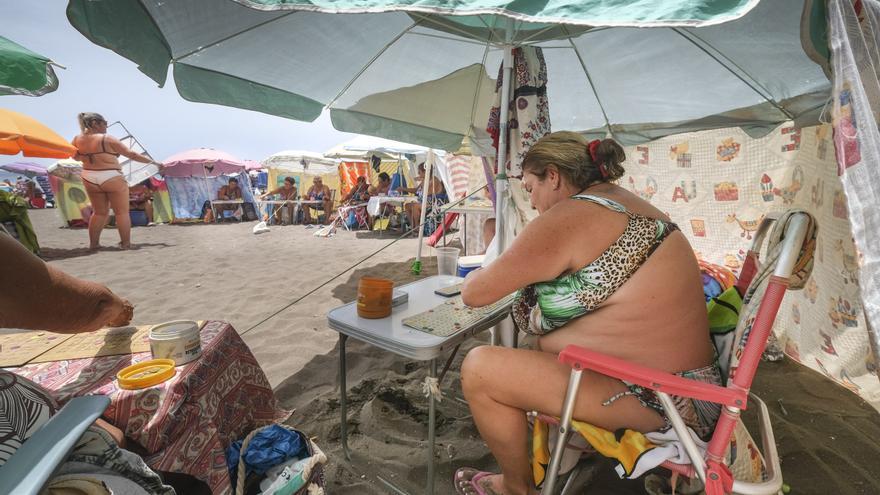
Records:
x=318, y=192
x=599, y=268
x=436, y=196
x=140, y=197
x=358, y=195
x=382, y=189
x=286, y=192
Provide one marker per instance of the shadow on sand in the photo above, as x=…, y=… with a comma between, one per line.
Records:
x=53, y=254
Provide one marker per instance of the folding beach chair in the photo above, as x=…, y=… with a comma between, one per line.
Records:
x=358, y=211
x=721, y=464
x=32, y=465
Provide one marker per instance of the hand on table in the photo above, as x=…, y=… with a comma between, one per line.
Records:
x=120, y=312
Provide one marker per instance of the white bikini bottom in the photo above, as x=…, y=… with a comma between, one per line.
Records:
x=98, y=177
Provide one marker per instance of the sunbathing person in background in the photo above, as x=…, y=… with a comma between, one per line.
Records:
x=436, y=193
x=318, y=192
x=286, y=192
x=382, y=189
x=599, y=268
x=140, y=197
x=358, y=194
x=230, y=192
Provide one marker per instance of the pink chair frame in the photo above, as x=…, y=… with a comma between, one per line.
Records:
x=712, y=470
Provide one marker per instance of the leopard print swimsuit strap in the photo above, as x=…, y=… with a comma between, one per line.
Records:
x=546, y=306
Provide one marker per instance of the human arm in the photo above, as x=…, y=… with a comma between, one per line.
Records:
x=222, y=193
x=46, y=298
x=270, y=193
x=541, y=252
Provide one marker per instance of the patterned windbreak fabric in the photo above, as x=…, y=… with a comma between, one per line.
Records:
x=528, y=107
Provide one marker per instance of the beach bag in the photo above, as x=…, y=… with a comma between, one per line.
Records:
x=248, y=468
x=351, y=220
x=249, y=212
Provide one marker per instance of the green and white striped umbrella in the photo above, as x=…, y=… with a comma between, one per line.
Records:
x=422, y=71
x=23, y=72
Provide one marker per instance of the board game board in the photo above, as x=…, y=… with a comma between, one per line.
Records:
x=105, y=342
x=453, y=316
x=16, y=349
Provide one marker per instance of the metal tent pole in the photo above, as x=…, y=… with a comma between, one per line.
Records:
x=505, y=329
x=427, y=183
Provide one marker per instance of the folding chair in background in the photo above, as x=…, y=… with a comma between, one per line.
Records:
x=360, y=214
x=787, y=265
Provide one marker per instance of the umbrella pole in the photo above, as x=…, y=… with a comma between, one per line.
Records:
x=426, y=185
x=504, y=329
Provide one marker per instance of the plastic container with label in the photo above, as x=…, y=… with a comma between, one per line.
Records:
x=178, y=340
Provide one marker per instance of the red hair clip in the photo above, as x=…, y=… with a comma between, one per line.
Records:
x=592, y=147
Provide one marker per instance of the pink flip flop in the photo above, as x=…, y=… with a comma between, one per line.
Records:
x=468, y=478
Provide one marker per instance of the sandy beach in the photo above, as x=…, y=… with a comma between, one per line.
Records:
x=827, y=436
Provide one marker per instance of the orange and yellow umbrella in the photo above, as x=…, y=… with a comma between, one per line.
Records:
x=22, y=134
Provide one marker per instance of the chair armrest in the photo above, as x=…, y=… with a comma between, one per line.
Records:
x=36, y=461
x=580, y=358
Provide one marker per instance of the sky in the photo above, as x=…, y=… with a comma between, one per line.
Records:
x=99, y=80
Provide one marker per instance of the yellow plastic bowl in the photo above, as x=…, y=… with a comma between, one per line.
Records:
x=146, y=374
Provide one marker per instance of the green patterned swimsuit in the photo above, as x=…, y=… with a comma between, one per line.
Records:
x=545, y=306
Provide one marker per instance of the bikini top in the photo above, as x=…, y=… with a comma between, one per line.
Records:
x=103, y=150
x=317, y=196
x=545, y=306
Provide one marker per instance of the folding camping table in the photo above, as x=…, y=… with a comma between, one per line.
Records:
x=390, y=334
x=215, y=202
x=297, y=204
x=374, y=205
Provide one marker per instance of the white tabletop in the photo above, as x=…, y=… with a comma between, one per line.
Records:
x=376, y=201
x=391, y=334
x=466, y=208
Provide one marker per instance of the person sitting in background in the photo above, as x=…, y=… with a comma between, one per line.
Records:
x=140, y=198
x=436, y=196
x=358, y=194
x=599, y=268
x=230, y=192
x=286, y=192
x=382, y=189
x=318, y=192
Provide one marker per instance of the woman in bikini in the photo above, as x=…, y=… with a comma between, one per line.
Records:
x=102, y=176
x=285, y=192
x=318, y=192
x=615, y=276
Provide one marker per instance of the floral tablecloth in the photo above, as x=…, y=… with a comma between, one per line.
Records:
x=186, y=423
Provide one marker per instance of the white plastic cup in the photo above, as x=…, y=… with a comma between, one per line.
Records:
x=447, y=260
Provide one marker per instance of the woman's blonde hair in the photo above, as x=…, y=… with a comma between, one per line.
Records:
x=570, y=153
x=86, y=119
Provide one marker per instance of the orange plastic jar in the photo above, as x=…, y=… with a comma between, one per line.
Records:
x=374, y=297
